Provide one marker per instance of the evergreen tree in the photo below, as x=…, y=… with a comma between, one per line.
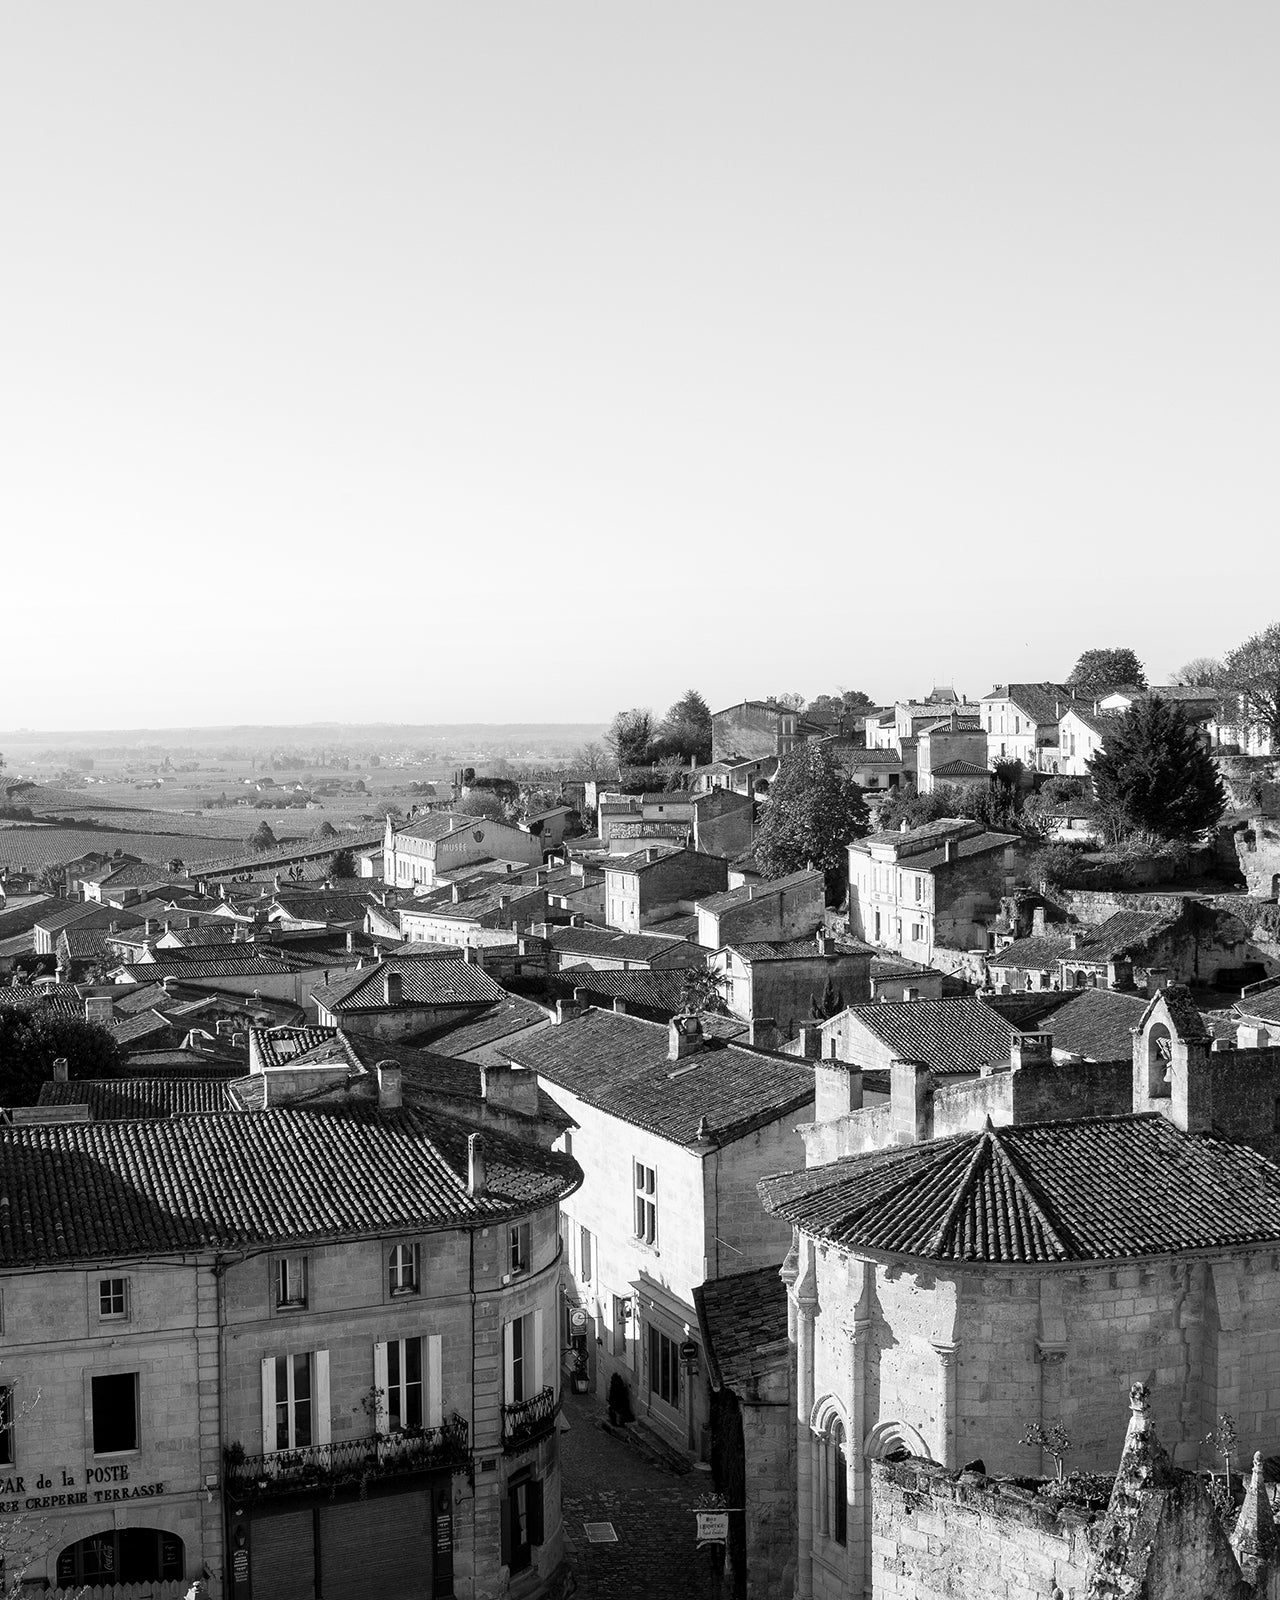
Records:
x=31, y=1041
x=342, y=864
x=829, y=1004
x=685, y=731
x=1155, y=775
x=814, y=809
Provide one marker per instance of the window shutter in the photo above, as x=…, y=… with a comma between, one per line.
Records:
x=268, y=1404
x=380, y=1416
x=533, y=1501
x=506, y=1529
x=435, y=1381
x=539, y=1381
x=508, y=1364
x=320, y=1367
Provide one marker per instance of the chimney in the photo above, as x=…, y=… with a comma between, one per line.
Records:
x=1157, y=979
x=911, y=1102
x=1030, y=1049
x=98, y=1008
x=910, y=993
x=61, y=1072
x=475, y=1166
x=620, y=1005
x=455, y=893
x=684, y=1038
x=825, y=942
x=564, y=1010
x=148, y=927
x=947, y=847
x=504, y=900
x=1037, y=923
x=1120, y=973
x=810, y=1036
x=510, y=1088
x=392, y=988
x=469, y=954
x=389, y=1092
x=168, y=925
x=762, y=1032
x=351, y=941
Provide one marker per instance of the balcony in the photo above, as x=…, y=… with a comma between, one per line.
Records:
x=347, y=1466
x=529, y=1420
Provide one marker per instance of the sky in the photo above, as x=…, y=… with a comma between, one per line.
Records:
x=437, y=362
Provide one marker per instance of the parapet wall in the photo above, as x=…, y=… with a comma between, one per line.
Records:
x=938, y=1537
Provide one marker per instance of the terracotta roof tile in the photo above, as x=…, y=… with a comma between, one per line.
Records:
x=953, y=1036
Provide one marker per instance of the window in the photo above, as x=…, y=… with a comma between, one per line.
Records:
x=834, y=1485
x=125, y=1556
x=113, y=1299
x=646, y=1184
x=521, y=1522
x=919, y=888
x=522, y=1350
x=584, y=1247
x=664, y=1367
x=115, y=1413
x=7, y=1456
x=518, y=1247
x=402, y=1269
x=291, y=1283
x=295, y=1410
x=404, y=1385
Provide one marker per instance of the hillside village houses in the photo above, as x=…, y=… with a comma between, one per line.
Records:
x=384, y=1168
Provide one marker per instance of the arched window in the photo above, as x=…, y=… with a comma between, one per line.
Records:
x=122, y=1555
x=831, y=1473
x=1159, y=1062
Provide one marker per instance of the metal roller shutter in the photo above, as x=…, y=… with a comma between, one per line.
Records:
x=380, y=1546
x=282, y=1556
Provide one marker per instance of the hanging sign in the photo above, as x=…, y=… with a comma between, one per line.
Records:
x=713, y=1528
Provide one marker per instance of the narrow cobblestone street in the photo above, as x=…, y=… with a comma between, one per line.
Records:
x=651, y=1508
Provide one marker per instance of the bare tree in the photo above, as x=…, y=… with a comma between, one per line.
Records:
x=592, y=759
x=1201, y=672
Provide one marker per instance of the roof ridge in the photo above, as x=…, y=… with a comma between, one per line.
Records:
x=963, y=1189
x=1066, y=1247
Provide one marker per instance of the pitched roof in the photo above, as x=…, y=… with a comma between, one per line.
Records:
x=953, y=1036
x=960, y=769
x=477, y=897
x=757, y=891
x=1042, y=702
x=86, y=913
x=1100, y=1188
x=1095, y=1023
x=134, y=1099
x=434, y=825
x=1265, y=1005
x=608, y=943
x=796, y=949
x=322, y=907
x=209, y=963
x=509, y=1015
x=432, y=982
x=620, y=1065
x=980, y=844
x=85, y=1191
x=1036, y=954
x=1124, y=933
x=743, y=1318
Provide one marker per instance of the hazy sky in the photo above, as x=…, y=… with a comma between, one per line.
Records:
x=439, y=361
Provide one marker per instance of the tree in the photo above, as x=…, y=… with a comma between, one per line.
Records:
x=1201, y=672
x=1156, y=775
x=592, y=760
x=830, y=1003
x=1098, y=672
x=685, y=731
x=813, y=811
x=31, y=1041
x=630, y=737
x=1252, y=671
x=342, y=864
x=480, y=803
x=262, y=837
x=793, y=700
x=52, y=878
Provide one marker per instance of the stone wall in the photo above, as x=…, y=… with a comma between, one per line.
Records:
x=938, y=1537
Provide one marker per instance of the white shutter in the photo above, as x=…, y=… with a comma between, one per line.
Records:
x=380, y=1413
x=539, y=1380
x=268, y=1404
x=435, y=1381
x=508, y=1364
x=320, y=1373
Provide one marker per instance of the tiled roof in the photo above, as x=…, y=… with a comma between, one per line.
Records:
x=608, y=943
x=426, y=1075
x=58, y=999
x=756, y=891
x=1042, y=702
x=620, y=1064
x=960, y=769
x=949, y=1036
x=743, y=1319
x=1265, y=1005
x=1095, y=1023
x=926, y=834
x=642, y=860
x=961, y=850
x=796, y=949
x=429, y=982
x=321, y=907
x=507, y=1016
x=142, y=1025
x=134, y=1099
x=1094, y=1189
x=1122, y=934
x=277, y=1046
x=478, y=898
x=662, y=990
x=1036, y=954
x=84, y=913
x=86, y=1191
x=434, y=825
x=207, y=933
x=83, y=944
x=20, y=919
x=1098, y=721
x=206, y=964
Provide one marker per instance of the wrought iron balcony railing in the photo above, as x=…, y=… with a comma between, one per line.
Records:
x=528, y=1420
x=347, y=1465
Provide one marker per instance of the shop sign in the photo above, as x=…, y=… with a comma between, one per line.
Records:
x=48, y=1490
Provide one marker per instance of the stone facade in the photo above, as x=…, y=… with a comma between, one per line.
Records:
x=753, y=729
x=656, y=882
x=790, y=908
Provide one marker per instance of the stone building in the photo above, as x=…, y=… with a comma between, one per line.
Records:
x=419, y=852
x=945, y=1290
x=717, y=821
x=674, y=1128
x=331, y=1323
x=407, y=995
x=954, y=752
x=933, y=887
x=790, y=907
x=784, y=982
x=753, y=729
x=656, y=884
x=1021, y=721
